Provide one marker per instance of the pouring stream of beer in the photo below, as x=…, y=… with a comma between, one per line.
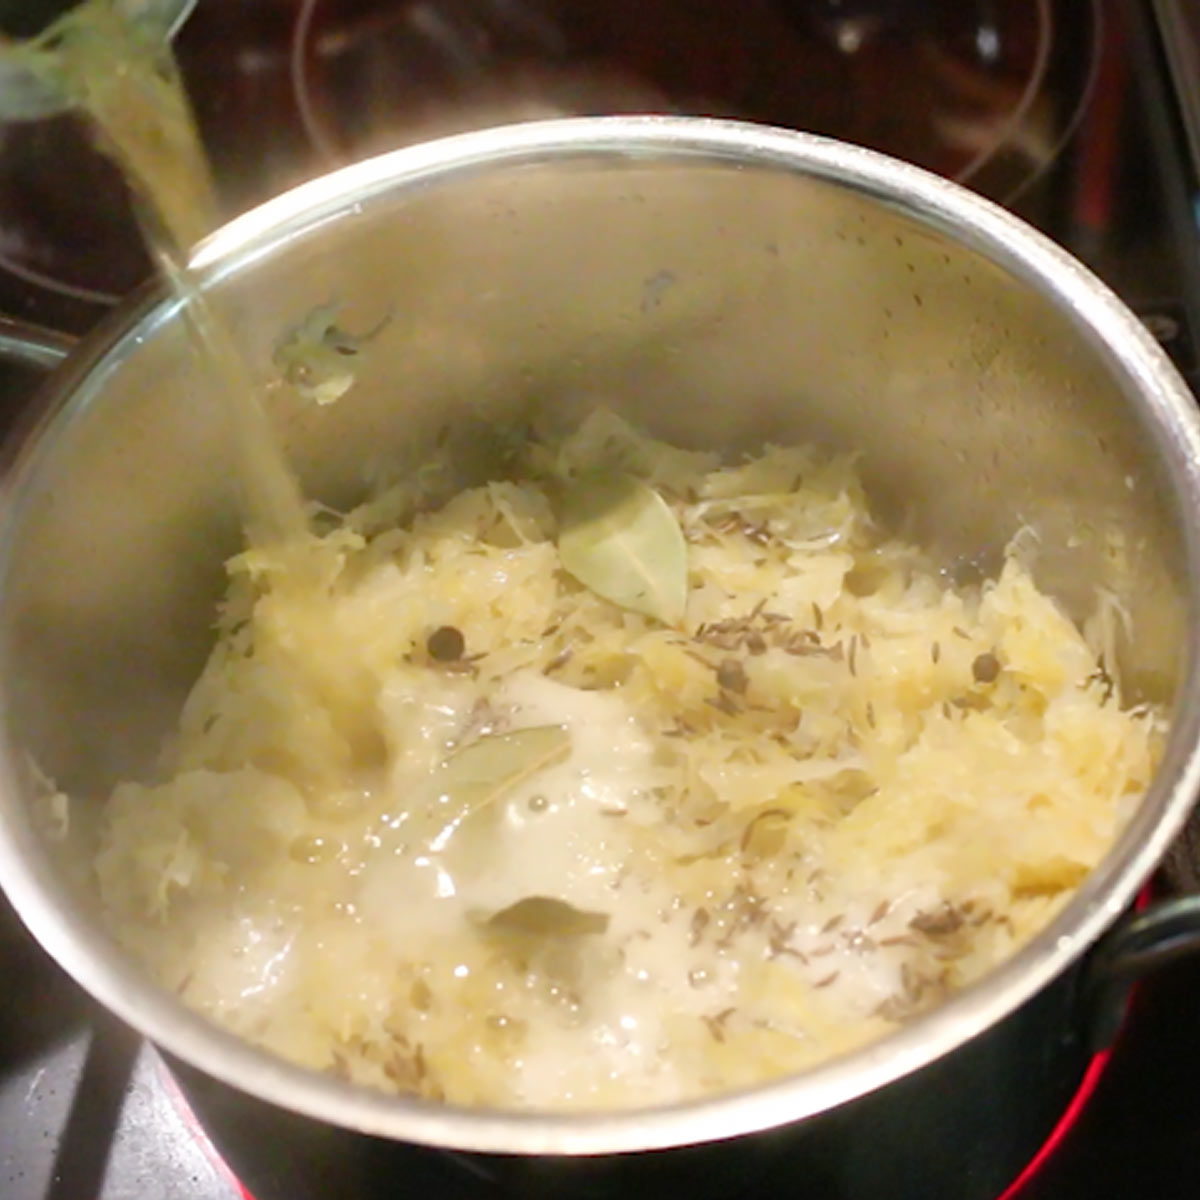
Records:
x=127, y=83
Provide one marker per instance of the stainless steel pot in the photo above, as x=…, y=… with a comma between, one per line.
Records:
x=720, y=283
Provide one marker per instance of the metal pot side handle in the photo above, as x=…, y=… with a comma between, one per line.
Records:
x=1138, y=944
x=32, y=346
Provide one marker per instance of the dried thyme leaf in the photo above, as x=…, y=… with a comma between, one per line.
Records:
x=483, y=771
x=943, y=921
x=620, y=539
x=543, y=916
x=766, y=833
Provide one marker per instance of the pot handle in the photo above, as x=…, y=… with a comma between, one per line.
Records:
x=1139, y=943
x=32, y=346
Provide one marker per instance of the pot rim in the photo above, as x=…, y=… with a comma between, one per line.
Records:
x=1173, y=423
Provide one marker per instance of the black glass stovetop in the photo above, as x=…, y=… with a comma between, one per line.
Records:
x=1083, y=116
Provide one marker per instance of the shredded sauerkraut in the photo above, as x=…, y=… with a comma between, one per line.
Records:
x=440, y=819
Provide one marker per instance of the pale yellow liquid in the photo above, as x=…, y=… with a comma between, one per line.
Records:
x=128, y=85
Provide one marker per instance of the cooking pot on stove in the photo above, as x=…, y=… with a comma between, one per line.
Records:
x=722, y=284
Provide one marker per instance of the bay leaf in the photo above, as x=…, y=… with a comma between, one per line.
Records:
x=484, y=770
x=621, y=540
x=319, y=358
x=544, y=916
